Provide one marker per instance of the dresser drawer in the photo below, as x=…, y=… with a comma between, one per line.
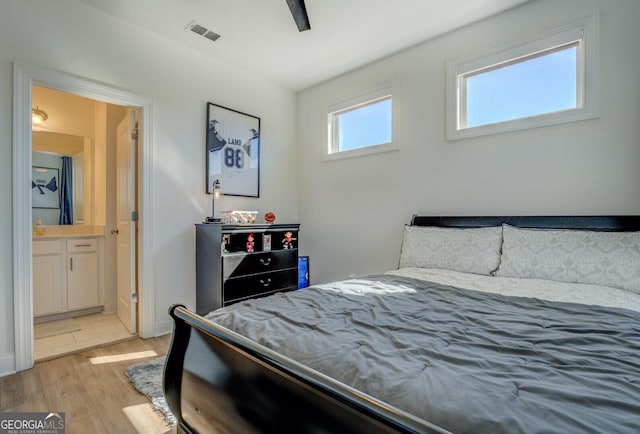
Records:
x=240, y=265
x=257, y=284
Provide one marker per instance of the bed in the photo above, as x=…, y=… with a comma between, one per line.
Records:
x=489, y=324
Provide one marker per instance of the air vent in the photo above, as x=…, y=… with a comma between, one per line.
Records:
x=197, y=28
x=202, y=31
x=211, y=35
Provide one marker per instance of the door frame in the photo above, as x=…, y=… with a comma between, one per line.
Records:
x=24, y=77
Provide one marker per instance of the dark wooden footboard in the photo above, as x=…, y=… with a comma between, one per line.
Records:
x=216, y=380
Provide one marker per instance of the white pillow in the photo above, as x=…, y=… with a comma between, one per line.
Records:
x=474, y=250
x=598, y=258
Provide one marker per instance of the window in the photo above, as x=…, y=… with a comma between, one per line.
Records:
x=545, y=80
x=361, y=125
x=538, y=84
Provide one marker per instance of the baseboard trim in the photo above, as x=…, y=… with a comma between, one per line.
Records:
x=8, y=365
x=163, y=328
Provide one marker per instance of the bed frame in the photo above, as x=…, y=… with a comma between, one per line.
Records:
x=216, y=380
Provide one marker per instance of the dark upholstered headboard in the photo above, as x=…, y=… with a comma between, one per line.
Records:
x=595, y=223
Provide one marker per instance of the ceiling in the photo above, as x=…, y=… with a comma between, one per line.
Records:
x=261, y=36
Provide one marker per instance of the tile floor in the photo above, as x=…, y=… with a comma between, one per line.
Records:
x=88, y=331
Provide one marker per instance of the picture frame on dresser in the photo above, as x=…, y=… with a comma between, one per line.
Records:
x=232, y=151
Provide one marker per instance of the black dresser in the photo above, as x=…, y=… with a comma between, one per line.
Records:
x=237, y=262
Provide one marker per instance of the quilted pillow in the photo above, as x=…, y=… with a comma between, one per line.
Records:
x=598, y=258
x=475, y=250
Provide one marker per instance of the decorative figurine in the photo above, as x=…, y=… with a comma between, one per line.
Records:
x=250, y=243
x=269, y=217
x=38, y=228
x=287, y=242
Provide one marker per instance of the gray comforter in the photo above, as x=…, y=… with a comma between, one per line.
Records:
x=467, y=361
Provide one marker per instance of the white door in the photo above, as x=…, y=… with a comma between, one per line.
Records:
x=126, y=227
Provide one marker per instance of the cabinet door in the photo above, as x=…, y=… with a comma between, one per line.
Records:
x=47, y=284
x=82, y=280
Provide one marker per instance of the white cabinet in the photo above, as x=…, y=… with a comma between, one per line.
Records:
x=82, y=274
x=47, y=277
x=66, y=275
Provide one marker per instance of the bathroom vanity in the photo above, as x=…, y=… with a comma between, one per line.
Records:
x=68, y=271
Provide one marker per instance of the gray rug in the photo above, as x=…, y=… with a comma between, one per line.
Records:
x=146, y=377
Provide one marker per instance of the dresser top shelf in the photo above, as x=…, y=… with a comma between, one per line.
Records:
x=254, y=228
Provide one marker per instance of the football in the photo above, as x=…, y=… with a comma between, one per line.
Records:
x=269, y=217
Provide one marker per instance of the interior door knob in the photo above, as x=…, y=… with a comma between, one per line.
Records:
x=115, y=231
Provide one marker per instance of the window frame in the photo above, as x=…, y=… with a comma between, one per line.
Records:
x=583, y=29
x=364, y=99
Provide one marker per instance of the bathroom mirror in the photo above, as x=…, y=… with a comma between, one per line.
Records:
x=48, y=149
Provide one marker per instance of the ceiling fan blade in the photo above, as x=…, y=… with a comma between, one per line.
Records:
x=299, y=12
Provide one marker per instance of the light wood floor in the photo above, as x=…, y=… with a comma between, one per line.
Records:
x=72, y=335
x=95, y=397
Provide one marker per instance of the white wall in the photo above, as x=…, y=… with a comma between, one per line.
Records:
x=67, y=36
x=353, y=210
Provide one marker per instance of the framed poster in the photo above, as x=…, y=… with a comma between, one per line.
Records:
x=45, y=186
x=233, y=151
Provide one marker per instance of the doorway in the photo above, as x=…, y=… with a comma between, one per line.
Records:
x=78, y=296
x=24, y=77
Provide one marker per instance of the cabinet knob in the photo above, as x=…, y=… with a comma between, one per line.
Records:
x=265, y=283
x=115, y=231
x=265, y=261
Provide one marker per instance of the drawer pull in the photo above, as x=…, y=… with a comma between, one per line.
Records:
x=82, y=245
x=71, y=264
x=265, y=261
x=265, y=283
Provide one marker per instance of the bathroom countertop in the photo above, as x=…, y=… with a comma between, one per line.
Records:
x=70, y=231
